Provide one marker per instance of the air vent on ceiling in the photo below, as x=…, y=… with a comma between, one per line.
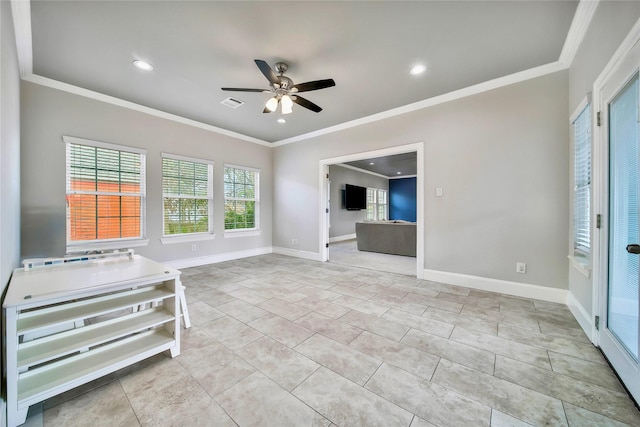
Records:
x=232, y=102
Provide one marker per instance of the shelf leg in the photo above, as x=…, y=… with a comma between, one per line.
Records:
x=183, y=307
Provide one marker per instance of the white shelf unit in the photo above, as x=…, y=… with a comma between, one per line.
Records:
x=66, y=325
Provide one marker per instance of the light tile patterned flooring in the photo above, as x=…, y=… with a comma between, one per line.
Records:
x=278, y=341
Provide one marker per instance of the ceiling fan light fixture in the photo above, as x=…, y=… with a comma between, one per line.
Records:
x=272, y=104
x=287, y=104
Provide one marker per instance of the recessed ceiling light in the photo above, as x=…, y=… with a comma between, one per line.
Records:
x=281, y=120
x=371, y=163
x=143, y=65
x=417, y=69
x=398, y=173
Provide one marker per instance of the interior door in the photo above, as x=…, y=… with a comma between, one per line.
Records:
x=620, y=310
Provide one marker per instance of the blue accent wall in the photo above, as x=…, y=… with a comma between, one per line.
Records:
x=402, y=199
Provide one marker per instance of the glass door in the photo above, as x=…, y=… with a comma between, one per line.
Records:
x=619, y=337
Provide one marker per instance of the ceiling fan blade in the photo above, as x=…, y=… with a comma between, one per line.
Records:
x=314, y=85
x=267, y=71
x=242, y=89
x=306, y=104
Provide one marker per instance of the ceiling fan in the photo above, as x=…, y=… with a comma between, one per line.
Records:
x=283, y=90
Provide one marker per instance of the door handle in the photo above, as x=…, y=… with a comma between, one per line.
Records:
x=633, y=248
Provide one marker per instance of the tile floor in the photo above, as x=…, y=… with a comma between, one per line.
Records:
x=346, y=253
x=278, y=341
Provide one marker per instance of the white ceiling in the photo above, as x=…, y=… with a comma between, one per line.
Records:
x=367, y=47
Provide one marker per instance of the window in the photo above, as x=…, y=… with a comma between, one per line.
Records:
x=241, y=198
x=187, y=195
x=376, y=204
x=105, y=190
x=582, y=183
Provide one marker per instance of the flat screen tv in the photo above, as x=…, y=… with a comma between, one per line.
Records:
x=355, y=197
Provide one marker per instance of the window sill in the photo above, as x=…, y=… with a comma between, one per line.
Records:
x=106, y=246
x=184, y=238
x=582, y=264
x=241, y=233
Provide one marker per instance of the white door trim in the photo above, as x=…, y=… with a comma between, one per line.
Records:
x=616, y=71
x=600, y=179
x=418, y=147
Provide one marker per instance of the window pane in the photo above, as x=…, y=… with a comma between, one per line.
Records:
x=201, y=188
x=186, y=187
x=190, y=179
x=185, y=215
x=170, y=185
x=96, y=169
x=371, y=212
x=582, y=183
x=228, y=189
x=240, y=184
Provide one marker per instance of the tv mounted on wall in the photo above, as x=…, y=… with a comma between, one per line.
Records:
x=355, y=197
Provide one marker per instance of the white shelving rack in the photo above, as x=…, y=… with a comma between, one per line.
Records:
x=69, y=324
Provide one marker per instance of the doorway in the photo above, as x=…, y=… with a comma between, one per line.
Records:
x=618, y=280
x=324, y=186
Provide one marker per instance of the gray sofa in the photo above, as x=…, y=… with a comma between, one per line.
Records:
x=387, y=237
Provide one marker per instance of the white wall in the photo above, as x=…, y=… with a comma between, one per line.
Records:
x=610, y=24
x=502, y=158
x=343, y=222
x=9, y=157
x=48, y=114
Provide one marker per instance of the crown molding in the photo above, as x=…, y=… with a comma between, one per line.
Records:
x=436, y=100
x=21, y=14
x=55, y=84
x=579, y=25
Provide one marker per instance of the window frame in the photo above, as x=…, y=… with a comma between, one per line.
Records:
x=582, y=151
x=243, y=232
x=194, y=236
x=74, y=246
x=377, y=205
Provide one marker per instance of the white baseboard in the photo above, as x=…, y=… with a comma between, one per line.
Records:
x=582, y=316
x=312, y=256
x=525, y=290
x=213, y=259
x=342, y=238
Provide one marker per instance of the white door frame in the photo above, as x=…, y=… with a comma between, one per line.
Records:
x=601, y=337
x=601, y=182
x=399, y=149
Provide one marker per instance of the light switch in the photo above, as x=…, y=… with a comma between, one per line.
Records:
x=438, y=191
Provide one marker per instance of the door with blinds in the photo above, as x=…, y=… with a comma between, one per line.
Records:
x=620, y=307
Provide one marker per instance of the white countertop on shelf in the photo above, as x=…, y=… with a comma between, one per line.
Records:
x=49, y=283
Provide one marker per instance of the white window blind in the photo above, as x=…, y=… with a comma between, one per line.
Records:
x=105, y=190
x=582, y=183
x=241, y=198
x=187, y=194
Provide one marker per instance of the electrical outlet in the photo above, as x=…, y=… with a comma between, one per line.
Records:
x=194, y=248
x=521, y=267
x=294, y=241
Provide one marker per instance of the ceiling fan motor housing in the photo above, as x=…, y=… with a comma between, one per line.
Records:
x=285, y=82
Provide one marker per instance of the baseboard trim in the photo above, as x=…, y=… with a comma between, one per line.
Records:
x=582, y=316
x=525, y=290
x=311, y=256
x=216, y=258
x=342, y=238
